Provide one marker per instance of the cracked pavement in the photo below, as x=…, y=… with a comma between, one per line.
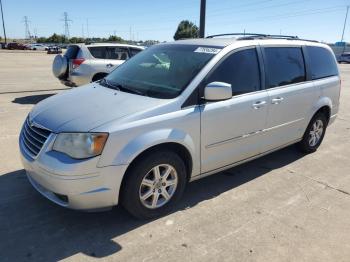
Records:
x=285, y=206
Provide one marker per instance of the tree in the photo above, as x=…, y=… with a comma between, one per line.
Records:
x=114, y=38
x=186, y=29
x=55, y=38
x=75, y=40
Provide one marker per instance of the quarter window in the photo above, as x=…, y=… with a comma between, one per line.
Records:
x=285, y=66
x=322, y=62
x=241, y=70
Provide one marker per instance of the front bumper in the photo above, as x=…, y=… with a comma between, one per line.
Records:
x=71, y=183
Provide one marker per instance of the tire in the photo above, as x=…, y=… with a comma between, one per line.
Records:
x=313, y=139
x=136, y=185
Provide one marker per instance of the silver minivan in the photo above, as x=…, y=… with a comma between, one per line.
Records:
x=177, y=112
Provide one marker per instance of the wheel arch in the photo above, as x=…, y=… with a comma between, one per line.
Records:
x=181, y=150
x=324, y=105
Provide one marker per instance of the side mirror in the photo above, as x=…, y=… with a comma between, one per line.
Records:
x=217, y=91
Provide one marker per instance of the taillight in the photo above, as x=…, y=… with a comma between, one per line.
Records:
x=77, y=62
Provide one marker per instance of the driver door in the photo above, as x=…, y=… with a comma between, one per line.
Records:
x=231, y=129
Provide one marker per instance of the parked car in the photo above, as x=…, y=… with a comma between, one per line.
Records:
x=39, y=47
x=54, y=50
x=3, y=45
x=82, y=64
x=175, y=113
x=344, y=58
x=16, y=46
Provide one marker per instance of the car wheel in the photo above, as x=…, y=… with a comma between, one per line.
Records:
x=154, y=184
x=314, y=134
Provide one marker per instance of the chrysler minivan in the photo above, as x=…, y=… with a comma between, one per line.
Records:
x=177, y=112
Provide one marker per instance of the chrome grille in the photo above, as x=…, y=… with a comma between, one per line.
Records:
x=33, y=138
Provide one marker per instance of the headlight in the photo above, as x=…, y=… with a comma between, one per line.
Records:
x=80, y=145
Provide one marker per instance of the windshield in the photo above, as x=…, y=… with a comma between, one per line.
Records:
x=161, y=71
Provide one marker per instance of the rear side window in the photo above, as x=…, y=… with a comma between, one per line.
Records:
x=241, y=70
x=117, y=53
x=285, y=66
x=322, y=62
x=98, y=52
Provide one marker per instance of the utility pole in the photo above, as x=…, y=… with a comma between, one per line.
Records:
x=66, y=21
x=87, y=27
x=26, y=25
x=130, y=33
x=82, y=31
x=3, y=23
x=202, y=19
x=342, y=36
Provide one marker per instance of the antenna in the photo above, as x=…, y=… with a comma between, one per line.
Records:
x=66, y=21
x=26, y=25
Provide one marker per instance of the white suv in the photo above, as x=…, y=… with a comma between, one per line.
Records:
x=82, y=64
x=175, y=113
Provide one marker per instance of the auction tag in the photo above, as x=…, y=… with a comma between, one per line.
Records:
x=208, y=50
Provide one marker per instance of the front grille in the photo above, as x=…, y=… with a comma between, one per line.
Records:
x=33, y=138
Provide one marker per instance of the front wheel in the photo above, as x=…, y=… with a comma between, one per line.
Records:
x=314, y=134
x=154, y=184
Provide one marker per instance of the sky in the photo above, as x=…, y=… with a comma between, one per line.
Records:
x=158, y=19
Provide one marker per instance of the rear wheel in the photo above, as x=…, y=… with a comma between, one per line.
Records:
x=314, y=134
x=154, y=184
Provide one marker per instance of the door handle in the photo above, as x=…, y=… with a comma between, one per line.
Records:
x=109, y=65
x=277, y=100
x=258, y=104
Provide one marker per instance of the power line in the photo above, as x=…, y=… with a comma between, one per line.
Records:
x=243, y=5
x=286, y=15
x=228, y=11
x=3, y=22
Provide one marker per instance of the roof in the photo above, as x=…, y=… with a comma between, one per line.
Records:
x=219, y=42
x=110, y=44
x=224, y=41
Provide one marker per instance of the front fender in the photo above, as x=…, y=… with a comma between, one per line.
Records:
x=147, y=140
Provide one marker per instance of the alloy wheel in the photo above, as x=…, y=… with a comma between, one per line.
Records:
x=158, y=186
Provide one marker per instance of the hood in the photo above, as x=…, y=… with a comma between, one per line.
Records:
x=84, y=108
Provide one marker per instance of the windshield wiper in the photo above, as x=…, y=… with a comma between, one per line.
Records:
x=106, y=83
x=120, y=87
x=130, y=90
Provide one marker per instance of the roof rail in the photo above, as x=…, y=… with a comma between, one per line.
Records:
x=251, y=36
x=236, y=34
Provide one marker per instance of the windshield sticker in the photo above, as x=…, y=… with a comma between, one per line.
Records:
x=208, y=50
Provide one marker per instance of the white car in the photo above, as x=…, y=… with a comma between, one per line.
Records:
x=82, y=64
x=177, y=112
x=39, y=47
